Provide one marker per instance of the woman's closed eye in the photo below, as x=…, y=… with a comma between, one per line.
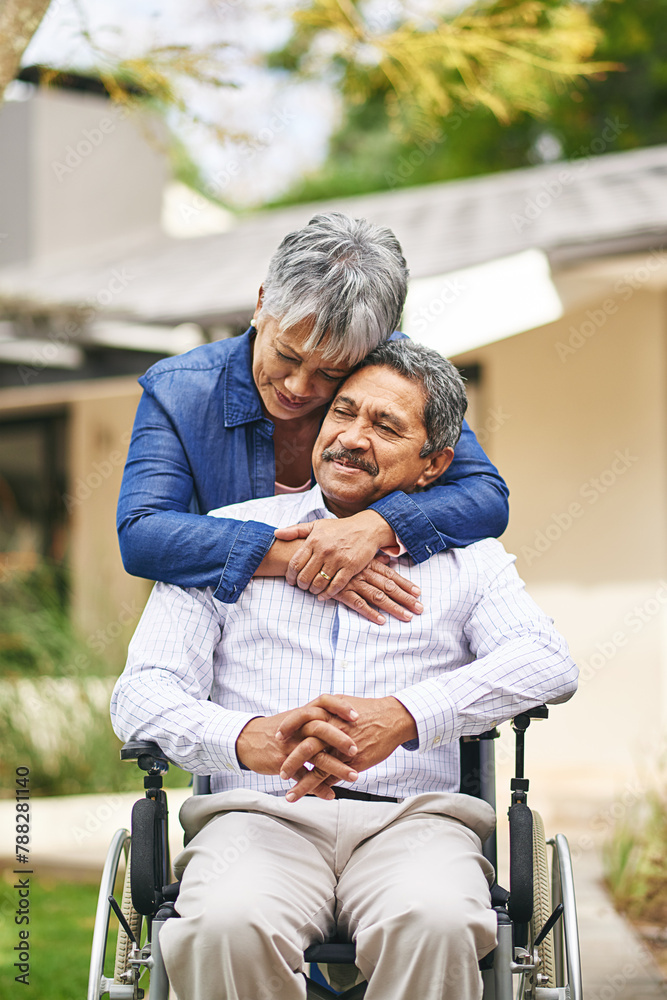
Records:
x=297, y=361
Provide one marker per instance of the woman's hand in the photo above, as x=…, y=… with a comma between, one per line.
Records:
x=334, y=550
x=345, y=550
x=379, y=588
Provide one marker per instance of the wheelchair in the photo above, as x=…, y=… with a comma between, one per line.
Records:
x=537, y=955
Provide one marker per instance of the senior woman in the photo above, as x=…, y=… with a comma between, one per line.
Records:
x=237, y=419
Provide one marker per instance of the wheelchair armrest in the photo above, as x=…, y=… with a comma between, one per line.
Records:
x=521, y=722
x=147, y=754
x=490, y=734
x=538, y=712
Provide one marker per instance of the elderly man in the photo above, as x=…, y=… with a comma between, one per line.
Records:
x=395, y=862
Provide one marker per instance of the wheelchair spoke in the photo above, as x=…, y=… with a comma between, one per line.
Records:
x=121, y=917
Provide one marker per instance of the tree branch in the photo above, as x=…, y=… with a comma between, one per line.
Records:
x=19, y=20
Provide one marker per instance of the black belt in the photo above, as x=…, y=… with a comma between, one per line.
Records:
x=350, y=793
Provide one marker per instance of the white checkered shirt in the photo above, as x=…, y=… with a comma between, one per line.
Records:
x=480, y=653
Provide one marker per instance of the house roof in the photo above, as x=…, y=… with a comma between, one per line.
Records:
x=597, y=206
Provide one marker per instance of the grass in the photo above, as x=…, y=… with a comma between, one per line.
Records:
x=634, y=859
x=62, y=916
x=636, y=872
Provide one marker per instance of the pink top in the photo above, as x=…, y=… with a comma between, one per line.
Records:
x=279, y=488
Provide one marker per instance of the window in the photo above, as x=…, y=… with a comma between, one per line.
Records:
x=32, y=484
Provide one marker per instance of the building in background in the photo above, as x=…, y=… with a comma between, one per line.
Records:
x=547, y=285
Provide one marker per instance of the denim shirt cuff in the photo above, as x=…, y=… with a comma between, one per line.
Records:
x=253, y=540
x=412, y=526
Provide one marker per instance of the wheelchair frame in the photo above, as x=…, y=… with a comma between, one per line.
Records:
x=537, y=945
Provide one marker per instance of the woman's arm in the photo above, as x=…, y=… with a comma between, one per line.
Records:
x=468, y=503
x=159, y=538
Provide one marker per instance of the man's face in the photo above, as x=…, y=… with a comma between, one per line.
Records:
x=370, y=441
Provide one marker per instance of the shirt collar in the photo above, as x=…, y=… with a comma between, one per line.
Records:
x=242, y=403
x=312, y=502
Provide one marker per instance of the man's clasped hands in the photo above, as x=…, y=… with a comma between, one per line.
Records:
x=338, y=735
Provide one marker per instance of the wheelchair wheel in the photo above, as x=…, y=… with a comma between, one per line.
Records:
x=98, y=983
x=123, y=942
x=542, y=902
x=566, y=940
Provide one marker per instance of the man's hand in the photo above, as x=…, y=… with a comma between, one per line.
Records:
x=263, y=745
x=382, y=725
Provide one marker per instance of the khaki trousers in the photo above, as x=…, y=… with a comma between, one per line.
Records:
x=264, y=878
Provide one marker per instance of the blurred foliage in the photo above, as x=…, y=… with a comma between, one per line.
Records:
x=506, y=55
x=633, y=33
x=159, y=80
x=634, y=860
x=37, y=638
x=54, y=694
x=367, y=153
x=64, y=735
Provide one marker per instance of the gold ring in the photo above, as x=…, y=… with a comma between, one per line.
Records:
x=322, y=573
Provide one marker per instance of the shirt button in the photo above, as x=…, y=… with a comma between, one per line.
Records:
x=344, y=664
x=436, y=741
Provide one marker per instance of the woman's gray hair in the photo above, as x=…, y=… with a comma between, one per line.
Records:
x=347, y=274
x=445, y=400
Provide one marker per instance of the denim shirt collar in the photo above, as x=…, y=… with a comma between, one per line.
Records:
x=242, y=403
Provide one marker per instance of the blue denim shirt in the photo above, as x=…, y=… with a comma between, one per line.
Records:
x=200, y=441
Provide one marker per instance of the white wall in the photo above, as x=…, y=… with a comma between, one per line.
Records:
x=77, y=171
x=580, y=437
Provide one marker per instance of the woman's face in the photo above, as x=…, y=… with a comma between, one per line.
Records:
x=291, y=381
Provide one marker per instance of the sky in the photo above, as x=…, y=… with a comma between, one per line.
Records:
x=286, y=124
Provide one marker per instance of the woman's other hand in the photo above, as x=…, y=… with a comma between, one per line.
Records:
x=377, y=589
x=338, y=560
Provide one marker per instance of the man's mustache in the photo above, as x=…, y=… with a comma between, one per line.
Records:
x=342, y=455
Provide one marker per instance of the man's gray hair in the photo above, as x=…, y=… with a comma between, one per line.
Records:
x=347, y=274
x=445, y=400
